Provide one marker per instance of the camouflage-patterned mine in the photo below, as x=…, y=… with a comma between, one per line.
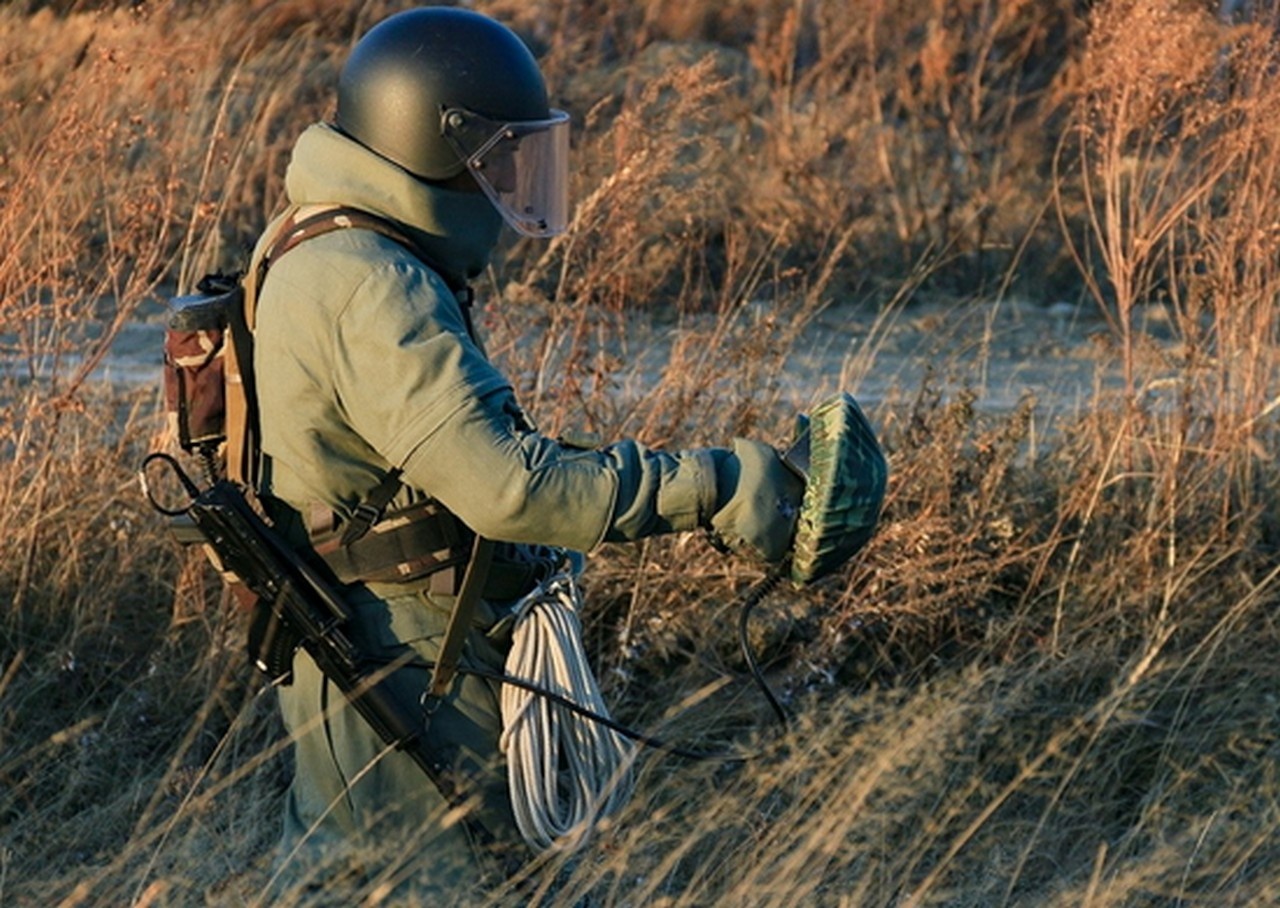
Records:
x=846, y=477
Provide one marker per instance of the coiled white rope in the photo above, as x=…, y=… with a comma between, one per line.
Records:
x=566, y=771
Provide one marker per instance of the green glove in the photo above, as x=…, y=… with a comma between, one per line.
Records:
x=757, y=502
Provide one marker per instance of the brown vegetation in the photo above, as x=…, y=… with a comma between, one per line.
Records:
x=1051, y=678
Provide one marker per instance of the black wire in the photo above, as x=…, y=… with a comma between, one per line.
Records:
x=626, y=732
x=630, y=733
x=754, y=597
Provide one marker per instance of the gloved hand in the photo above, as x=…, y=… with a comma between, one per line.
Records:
x=758, y=499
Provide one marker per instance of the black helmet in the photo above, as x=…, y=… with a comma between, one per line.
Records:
x=439, y=90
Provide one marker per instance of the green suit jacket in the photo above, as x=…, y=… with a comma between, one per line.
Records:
x=364, y=362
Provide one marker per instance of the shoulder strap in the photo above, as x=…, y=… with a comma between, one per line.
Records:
x=298, y=224
x=464, y=606
x=302, y=223
x=241, y=402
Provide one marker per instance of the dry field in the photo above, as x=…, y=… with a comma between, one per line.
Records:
x=1053, y=678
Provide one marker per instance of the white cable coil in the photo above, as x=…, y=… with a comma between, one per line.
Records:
x=566, y=771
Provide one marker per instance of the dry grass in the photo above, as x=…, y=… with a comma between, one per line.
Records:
x=1050, y=679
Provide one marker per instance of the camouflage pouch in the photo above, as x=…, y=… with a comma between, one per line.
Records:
x=846, y=474
x=195, y=342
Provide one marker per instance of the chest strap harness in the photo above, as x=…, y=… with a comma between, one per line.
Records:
x=422, y=541
x=423, y=544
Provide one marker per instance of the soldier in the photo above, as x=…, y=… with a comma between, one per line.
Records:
x=377, y=402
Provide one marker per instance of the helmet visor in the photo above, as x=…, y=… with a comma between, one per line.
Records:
x=523, y=167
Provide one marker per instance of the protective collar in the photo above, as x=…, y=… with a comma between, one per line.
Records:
x=456, y=230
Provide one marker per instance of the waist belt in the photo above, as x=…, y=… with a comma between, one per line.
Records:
x=419, y=547
x=404, y=546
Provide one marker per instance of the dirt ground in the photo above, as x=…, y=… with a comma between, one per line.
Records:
x=1063, y=354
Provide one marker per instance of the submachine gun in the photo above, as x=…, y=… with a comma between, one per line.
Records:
x=296, y=606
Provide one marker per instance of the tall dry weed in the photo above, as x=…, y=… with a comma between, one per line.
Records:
x=916, y=126
x=1046, y=681
x=1174, y=141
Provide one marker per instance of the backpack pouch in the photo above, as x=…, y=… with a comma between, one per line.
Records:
x=195, y=342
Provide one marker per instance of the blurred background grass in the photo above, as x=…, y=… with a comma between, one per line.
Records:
x=1051, y=678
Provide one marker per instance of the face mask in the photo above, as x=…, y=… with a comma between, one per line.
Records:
x=523, y=167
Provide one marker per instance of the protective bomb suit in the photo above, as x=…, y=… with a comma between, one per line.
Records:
x=366, y=361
